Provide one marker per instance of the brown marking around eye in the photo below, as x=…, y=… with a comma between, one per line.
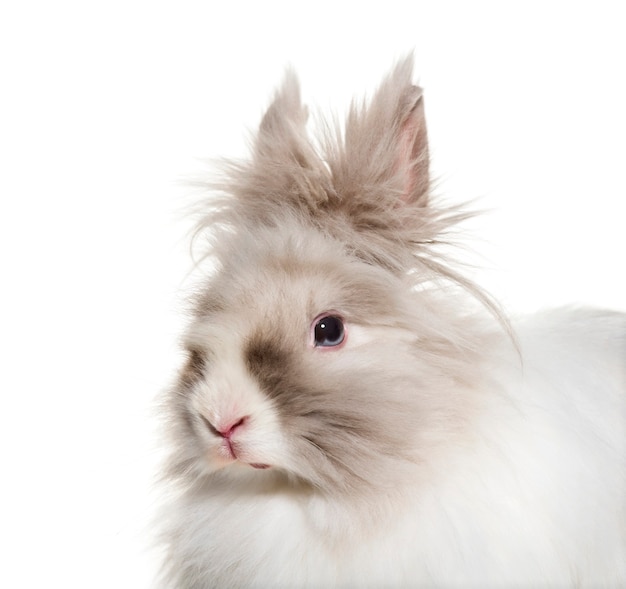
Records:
x=194, y=367
x=269, y=365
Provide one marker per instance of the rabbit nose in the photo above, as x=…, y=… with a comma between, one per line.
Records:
x=228, y=430
x=225, y=430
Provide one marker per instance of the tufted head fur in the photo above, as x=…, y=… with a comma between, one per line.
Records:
x=343, y=226
x=347, y=418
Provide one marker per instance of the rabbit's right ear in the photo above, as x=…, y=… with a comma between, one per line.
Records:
x=286, y=170
x=412, y=156
x=282, y=134
x=385, y=157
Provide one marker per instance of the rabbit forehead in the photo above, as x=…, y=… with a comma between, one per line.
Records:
x=297, y=275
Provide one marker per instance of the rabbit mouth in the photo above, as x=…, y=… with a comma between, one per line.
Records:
x=228, y=450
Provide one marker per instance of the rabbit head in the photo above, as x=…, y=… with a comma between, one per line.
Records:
x=323, y=351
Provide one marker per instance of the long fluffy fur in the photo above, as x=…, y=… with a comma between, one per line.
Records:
x=428, y=450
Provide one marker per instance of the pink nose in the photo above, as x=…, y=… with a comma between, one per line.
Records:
x=228, y=430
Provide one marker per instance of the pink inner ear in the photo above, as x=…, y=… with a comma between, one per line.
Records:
x=405, y=158
x=412, y=158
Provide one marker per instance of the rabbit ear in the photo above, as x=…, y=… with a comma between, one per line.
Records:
x=282, y=133
x=367, y=185
x=386, y=143
x=286, y=169
x=412, y=158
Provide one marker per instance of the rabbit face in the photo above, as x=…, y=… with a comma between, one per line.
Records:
x=262, y=391
x=315, y=353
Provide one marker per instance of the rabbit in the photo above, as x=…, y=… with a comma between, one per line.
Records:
x=353, y=412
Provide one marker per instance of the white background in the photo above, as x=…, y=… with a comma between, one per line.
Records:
x=106, y=106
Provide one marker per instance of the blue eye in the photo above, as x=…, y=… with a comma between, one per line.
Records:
x=329, y=331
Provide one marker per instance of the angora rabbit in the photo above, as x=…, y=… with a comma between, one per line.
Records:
x=354, y=413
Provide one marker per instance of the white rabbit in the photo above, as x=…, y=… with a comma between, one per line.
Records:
x=349, y=417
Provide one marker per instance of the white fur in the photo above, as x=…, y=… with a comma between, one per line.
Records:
x=430, y=448
x=513, y=506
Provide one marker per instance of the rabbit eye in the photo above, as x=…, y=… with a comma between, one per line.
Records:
x=328, y=332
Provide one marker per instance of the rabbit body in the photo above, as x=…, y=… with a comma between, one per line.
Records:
x=348, y=418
